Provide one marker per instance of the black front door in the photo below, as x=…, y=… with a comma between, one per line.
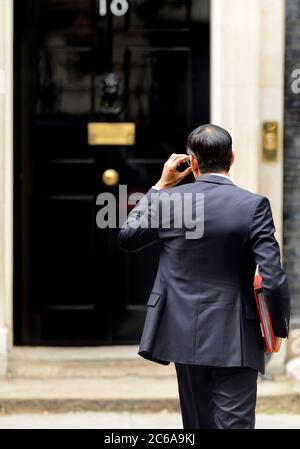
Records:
x=77, y=62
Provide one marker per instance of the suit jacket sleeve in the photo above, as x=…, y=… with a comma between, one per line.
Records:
x=141, y=228
x=267, y=256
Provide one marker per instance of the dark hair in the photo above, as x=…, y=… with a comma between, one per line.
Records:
x=212, y=146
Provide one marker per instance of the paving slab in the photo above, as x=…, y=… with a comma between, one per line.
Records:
x=125, y=420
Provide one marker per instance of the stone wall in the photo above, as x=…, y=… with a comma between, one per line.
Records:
x=291, y=209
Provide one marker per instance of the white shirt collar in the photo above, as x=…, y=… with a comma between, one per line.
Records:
x=218, y=174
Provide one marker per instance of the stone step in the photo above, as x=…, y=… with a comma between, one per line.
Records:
x=119, y=394
x=115, y=378
x=82, y=362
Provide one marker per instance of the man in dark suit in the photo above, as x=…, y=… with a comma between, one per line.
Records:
x=201, y=313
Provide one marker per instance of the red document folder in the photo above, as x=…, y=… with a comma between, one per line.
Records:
x=264, y=316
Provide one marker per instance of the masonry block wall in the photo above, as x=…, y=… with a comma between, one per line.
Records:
x=291, y=209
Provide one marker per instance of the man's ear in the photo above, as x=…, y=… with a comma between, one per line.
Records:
x=232, y=158
x=195, y=167
x=194, y=163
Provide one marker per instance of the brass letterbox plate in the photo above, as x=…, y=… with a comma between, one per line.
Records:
x=111, y=133
x=270, y=141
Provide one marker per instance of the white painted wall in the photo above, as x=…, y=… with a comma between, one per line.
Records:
x=247, y=51
x=6, y=179
x=248, y=41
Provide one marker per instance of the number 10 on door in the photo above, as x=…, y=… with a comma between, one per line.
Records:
x=117, y=7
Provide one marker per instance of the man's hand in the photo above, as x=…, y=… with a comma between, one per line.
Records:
x=170, y=176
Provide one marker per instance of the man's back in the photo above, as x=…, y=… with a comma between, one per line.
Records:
x=202, y=308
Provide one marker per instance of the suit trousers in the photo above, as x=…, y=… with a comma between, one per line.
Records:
x=217, y=397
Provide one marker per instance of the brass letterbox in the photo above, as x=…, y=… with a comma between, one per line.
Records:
x=111, y=133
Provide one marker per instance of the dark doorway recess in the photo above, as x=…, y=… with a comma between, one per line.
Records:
x=145, y=62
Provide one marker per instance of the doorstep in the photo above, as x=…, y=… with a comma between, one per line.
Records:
x=81, y=362
x=131, y=393
x=108, y=379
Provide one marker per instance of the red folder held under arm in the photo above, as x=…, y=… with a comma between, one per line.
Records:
x=264, y=316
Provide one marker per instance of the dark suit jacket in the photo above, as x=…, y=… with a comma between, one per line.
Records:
x=202, y=308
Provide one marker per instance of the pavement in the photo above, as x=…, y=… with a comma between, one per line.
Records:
x=162, y=420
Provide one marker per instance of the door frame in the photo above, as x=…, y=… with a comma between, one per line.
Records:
x=6, y=182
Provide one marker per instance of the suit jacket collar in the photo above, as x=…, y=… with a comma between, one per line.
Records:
x=207, y=177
